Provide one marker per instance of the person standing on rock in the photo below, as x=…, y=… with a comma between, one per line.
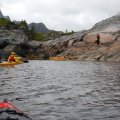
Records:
x=0, y=57
x=98, y=39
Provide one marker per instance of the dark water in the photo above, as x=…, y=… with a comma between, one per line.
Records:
x=64, y=90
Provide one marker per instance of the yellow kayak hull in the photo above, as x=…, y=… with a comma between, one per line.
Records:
x=10, y=63
x=57, y=58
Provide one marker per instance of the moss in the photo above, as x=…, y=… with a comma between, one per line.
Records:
x=4, y=22
x=39, y=36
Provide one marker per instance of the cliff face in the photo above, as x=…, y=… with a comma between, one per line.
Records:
x=38, y=27
x=12, y=40
x=109, y=47
x=82, y=46
x=13, y=37
x=109, y=25
x=2, y=16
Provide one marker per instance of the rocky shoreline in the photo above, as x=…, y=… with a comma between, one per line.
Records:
x=77, y=46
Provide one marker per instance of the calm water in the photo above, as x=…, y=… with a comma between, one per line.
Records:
x=64, y=90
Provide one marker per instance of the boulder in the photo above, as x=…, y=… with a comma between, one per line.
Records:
x=70, y=42
x=34, y=43
x=13, y=37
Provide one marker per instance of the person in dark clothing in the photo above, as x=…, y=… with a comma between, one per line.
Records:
x=98, y=39
x=0, y=57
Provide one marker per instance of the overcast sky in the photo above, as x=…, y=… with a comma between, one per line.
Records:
x=60, y=15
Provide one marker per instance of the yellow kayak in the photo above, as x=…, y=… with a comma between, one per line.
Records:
x=10, y=63
x=57, y=58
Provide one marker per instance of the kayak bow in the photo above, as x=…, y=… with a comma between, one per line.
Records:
x=9, y=112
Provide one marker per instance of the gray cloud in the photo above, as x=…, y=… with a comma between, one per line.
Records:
x=61, y=14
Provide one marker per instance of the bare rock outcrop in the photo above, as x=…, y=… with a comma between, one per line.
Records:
x=13, y=37
x=13, y=40
x=59, y=45
x=82, y=46
x=111, y=24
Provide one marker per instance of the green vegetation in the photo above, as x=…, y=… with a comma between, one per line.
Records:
x=32, y=35
x=7, y=23
x=24, y=27
x=39, y=36
x=4, y=22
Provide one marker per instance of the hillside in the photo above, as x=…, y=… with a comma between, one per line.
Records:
x=109, y=25
x=38, y=27
x=2, y=16
x=82, y=46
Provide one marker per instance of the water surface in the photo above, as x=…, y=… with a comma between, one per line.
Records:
x=64, y=90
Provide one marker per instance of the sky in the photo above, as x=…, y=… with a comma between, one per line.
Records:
x=61, y=15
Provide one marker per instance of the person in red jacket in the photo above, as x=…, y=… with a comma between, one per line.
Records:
x=12, y=57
